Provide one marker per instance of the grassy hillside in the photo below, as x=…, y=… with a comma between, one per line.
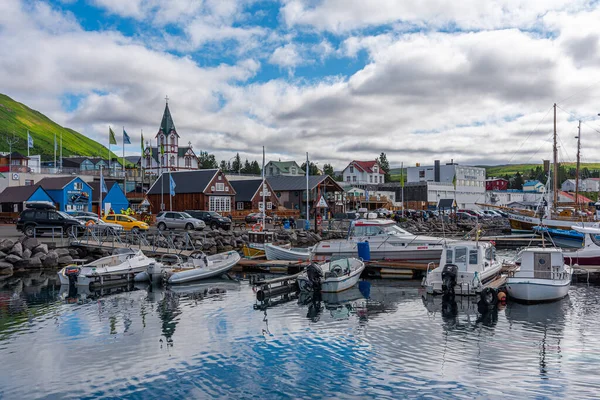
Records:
x=17, y=118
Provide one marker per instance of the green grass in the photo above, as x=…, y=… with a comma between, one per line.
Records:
x=16, y=118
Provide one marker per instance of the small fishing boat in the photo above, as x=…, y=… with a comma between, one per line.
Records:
x=333, y=276
x=541, y=276
x=198, y=266
x=274, y=252
x=566, y=238
x=123, y=266
x=464, y=269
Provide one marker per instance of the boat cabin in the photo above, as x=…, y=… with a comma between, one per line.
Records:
x=362, y=228
x=469, y=256
x=541, y=263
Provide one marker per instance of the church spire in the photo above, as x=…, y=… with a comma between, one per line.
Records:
x=167, y=124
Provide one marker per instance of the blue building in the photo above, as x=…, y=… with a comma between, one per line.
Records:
x=13, y=198
x=69, y=193
x=114, y=198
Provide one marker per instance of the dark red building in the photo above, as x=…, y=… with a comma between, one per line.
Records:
x=496, y=184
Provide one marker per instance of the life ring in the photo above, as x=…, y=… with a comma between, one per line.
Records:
x=257, y=227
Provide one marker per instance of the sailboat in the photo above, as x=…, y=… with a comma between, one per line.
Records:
x=553, y=216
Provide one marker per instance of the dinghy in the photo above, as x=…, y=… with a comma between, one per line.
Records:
x=197, y=267
x=123, y=266
x=334, y=276
x=274, y=252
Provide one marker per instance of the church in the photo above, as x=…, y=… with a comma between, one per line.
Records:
x=175, y=158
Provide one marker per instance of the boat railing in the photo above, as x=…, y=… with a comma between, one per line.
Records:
x=429, y=265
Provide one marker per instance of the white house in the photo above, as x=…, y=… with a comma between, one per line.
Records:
x=589, y=185
x=567, y=186
x=363, y=173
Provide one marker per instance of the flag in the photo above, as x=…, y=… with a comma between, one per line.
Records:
x=103, y=188
x=111, y=136
x=171, y=185
x=162, y=149
x=454, y=181
x=126, y=139
x=29, y=141
x=142, y=143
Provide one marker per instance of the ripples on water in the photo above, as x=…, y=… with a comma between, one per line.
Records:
x=207, y=340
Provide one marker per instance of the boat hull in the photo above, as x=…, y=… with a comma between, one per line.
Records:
x=525, y=223
x=280, y=253
x=333, y=284
x=467, y=283
x=537, y=290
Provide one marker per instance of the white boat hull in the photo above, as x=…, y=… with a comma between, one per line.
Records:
x=537, y=290
x=467, y=284
x=281, y=253
x=334, y=284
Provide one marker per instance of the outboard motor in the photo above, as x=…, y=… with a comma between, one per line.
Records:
x=314, y=274
x=449, y=274
x=72, y=273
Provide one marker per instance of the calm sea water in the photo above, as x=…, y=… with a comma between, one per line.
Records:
x=208, y=340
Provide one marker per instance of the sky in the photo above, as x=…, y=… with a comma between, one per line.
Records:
x=472, y=81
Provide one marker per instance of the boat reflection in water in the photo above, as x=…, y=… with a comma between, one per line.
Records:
x=340, y=305
x=461, y=312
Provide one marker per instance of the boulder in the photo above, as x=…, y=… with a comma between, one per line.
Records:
x=12, y=258
x=50, y=260
x=17, y=250
x=31, y=243
x=211, y=251
x=41, y=249
x=65, y=260
x=26, y=254
x=6, y=268
x=2, y=254
x=62, y=252
x=34, y=262
x=74, y=253
x=6, y=245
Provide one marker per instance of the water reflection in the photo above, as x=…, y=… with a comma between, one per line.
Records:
x=461, y=312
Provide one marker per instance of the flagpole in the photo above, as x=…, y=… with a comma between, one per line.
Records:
x=307, y=191
x=100, y=213
x=61, y=152
x=162, y=189
x=27, y=143
x=263, y=190
x=123, y=165
x=55, y=152
x=170, y=193
x=109, y=150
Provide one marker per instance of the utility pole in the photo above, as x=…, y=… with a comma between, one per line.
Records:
x=11, y=141
x=577, y=169
x=555, y=175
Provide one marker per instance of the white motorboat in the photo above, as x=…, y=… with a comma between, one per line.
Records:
x=334, y=276
x=541, y=276
x=464, y=269
x=123, y=266
x=274, y=252
x=387, y=241
x=197, y=267
x=589, y=253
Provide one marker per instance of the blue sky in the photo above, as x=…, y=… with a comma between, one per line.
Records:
x=341, y=79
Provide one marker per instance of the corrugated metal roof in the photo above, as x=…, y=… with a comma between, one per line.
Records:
x=245, y=189
x=185, y=181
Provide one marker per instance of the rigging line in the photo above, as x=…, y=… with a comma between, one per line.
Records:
x=539, y=148
x=576, y=93
x=578, y=118
x=530, y=133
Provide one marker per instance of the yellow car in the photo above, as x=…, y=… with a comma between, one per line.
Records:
x=128, y=223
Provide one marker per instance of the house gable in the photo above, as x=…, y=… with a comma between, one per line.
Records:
x=219, y=185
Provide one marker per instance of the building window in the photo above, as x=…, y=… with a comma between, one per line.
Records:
x=348, y=178
x=220, y=187
x=188, y=161
x=78, y=186
x=240, y=205
x=293, y=171
x=172, y=160
x=28, y=182
x=371, y=178
x=351, y=170
x=354, y=178
x=380, y=179
x=271, y=171
x=162, y=140
x=269, y=205
x=220, y=203
x=422, y=174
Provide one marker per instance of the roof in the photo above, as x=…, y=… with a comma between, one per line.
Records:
x=96, y=188
x=185, y=181
x=285, y=183
x=56, y=183
x=367, y=166
x=446, y=203
x=581, y=198
x=532, y=183
x=284, y=166
x=133, y=159
x=487, y=180
x=167, y=125
x=15, y=155
x=180, y=152
x=246, y=189
x=18, y=194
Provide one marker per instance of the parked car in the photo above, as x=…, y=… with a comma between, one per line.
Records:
x=98, y=225
x=384, y=212
x=473, y=213
x=492, y=213
x=465, y=216
x=82, y=214
x=211, y=218
x=43, y=219
x=128, y=223
x=178, y=220
x=256, y=217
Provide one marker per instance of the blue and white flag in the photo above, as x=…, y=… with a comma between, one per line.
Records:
x=103, y=188
x=126, y=139
x=171, y=185
x=29, y=141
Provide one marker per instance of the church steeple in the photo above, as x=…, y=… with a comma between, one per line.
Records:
x=167, y=124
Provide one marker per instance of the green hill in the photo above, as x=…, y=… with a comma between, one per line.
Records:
x=16, y=118
x=511, y=169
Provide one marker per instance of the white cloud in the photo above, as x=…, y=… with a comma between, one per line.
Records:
x=128, y=8
x=286, y=56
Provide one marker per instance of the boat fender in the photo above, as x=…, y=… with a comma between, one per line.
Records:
x=488, y=296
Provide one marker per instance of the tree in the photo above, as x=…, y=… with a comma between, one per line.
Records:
x=207, y=161
x=313, y=169
x=236, y=165
x=517, y=182
x=255, y=168
x=247, y=169
x=328, y=170
x=223, y=166
x=385, y=165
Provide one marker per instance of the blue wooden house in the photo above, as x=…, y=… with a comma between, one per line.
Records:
x=69, y=193
x=114, y=198
x=13, y=198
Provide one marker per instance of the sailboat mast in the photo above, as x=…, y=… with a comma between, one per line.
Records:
x=555, y=175
x=577, y=169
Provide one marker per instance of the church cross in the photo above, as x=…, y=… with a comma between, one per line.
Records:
x=167, y=99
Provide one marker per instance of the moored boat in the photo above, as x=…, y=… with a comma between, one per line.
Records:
x=464, y=269
x=275, y=252
x=589, y=253
x=334, y=276
x=541, y=276
x=561, y=237
x=123, y=266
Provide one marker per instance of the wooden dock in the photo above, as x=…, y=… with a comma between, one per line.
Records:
x=148, y=250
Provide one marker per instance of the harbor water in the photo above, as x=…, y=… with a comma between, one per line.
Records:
x=385, y=339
